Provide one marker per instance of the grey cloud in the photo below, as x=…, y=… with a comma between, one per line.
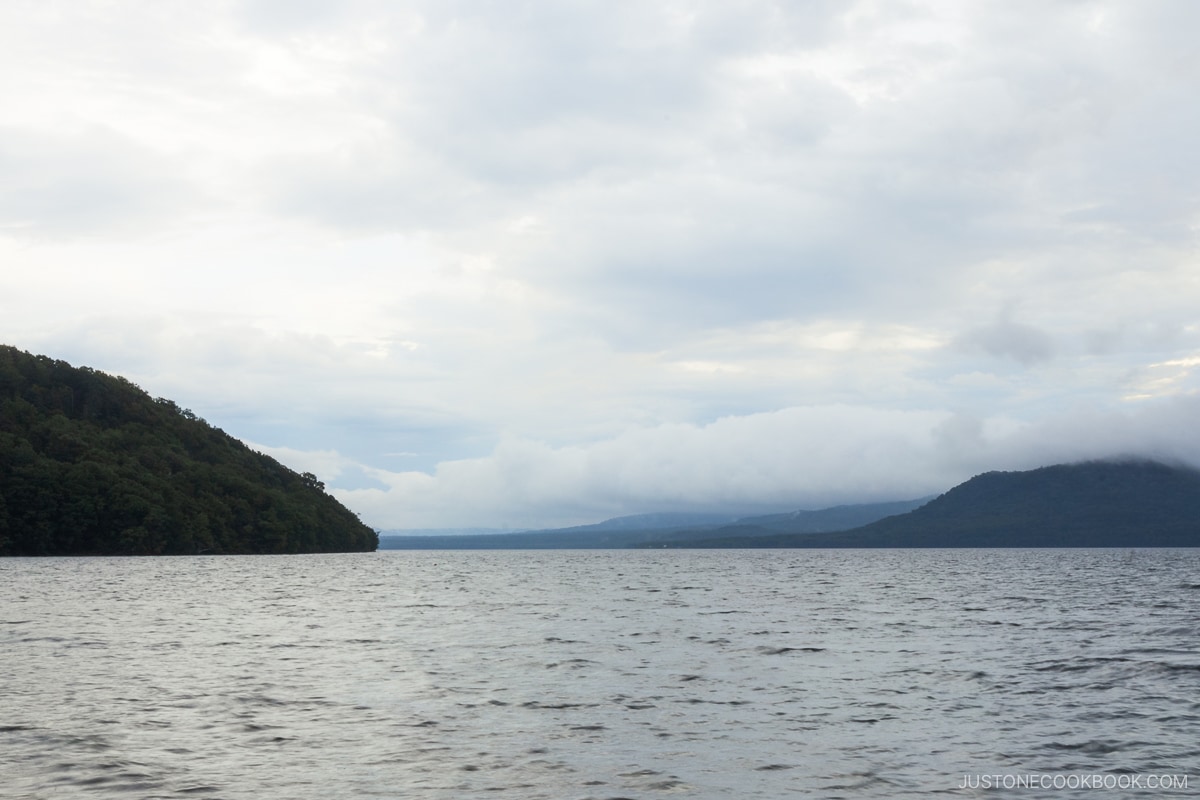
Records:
x=223, y=369
x=612, y=117
x=652, y=303
x=383, y=186
x=1005, y=338
x=632, y=186
x=1167, y=333
x=94, y=182
x=959, y=437
x=549, y=93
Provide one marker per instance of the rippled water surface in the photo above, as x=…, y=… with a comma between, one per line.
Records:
x=595, y=674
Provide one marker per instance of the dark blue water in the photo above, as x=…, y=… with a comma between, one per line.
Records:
x=598, y=674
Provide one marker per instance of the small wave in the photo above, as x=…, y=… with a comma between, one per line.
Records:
x=857, y=781
x=1179, y=667
x=778, y=651
x=1181, y=630
x=1094, y=746
x=572, y=663
x=1081, y=665
x=668, y=786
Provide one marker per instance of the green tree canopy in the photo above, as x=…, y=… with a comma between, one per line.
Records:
x=92, y=465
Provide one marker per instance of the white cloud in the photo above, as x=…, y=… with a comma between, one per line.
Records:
x=768, y=461
x=810, y=457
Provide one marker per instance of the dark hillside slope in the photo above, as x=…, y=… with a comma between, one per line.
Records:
x=92, y=465
x=1129, y=503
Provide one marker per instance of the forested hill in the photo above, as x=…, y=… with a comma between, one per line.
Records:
x=92, y=465
x=1129, y=503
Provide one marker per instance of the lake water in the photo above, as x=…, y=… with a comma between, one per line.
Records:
x=601, y=674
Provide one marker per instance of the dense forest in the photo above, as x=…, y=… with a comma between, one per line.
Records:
x=1118, y=503
x=92, y=465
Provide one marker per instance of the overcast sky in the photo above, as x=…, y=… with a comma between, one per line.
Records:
x=539, y=263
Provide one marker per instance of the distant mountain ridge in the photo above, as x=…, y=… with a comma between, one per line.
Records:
x=655, y=521
x=395, y=532
x=1114, y=503
x=640, y=529
x=1126, y=502
x=825, y=520
x=629, y=522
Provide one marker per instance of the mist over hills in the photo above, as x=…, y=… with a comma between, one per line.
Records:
x=641, y=529
x=652, y=521
x=1117, y=503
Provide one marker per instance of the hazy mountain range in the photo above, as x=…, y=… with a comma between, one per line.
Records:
x=640, y=529
x=1120, y=503
x=1116, y=503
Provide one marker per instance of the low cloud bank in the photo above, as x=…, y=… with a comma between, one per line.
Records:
x=793, y=458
